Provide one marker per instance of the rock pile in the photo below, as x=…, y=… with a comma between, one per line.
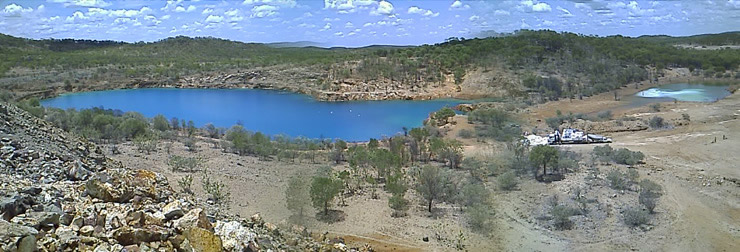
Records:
x=60, y=193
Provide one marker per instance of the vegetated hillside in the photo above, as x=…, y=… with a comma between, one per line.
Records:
x=720, y=39
x=553, y=64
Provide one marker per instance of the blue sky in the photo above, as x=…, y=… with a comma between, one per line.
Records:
x=357, y=22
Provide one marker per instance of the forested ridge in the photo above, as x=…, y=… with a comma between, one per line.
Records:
x=554, y=64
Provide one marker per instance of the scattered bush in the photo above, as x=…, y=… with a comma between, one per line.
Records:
x=399, y=205
x=617, y=180
x=561, y=216
x=650, y=192
x=465, y=133
x=507, y=181
x=185, y=183
x=603, y=153
x=655, y=107
x=634, y=217
x=184, y=164
x=443, y=115
x=657, y=122
x=216, y=190
x=604, y=115
x=474, y=194
x=494, y=123
x=480, y=217
x=146, y=143
x=686, y=117
x=191, y=144
x=625, y=156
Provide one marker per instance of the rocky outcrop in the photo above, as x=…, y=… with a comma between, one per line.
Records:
x=60, y=193
x=607, y=126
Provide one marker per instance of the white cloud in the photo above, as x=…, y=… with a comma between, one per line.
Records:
x=349, y=25
x=501, y=13
x=76, y=16
x=180, y=8
x=735, y=4
x=165, y=17
x=564, y=12
x=339, y=4
x=474, y=18
x=261, y=11
x=338, y=34
x=458, y=5
x=541, y=7
x=280, y=3
x=384, y=8
x=207, y=11
x=81, y=3
x=214, y=19
x=14, y=10
x=423, y=12
x=326, y=27
x=530, y=5
x=583, y=6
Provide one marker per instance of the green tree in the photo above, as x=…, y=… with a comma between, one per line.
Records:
x=452, y=153
x=323, y=192
x=297, y=197
x=431, y=184
x=338, y=153
x=542, y=155
x=650, y=192
x=443, y=115
x=159, y=122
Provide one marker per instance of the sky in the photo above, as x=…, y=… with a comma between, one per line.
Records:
x=356, y=23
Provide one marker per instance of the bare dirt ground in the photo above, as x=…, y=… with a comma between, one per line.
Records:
x=700, y=209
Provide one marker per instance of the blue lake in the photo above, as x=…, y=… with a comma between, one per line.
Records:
x=686, y=92
x=267, y=111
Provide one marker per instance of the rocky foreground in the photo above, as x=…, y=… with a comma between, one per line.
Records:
x=61, y=193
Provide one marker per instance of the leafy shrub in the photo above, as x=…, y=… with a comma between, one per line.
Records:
x=399, y=204
x=657, y=122
x=184, y=164
x=145, y=143
x=465, y=133
x=507, y=181
x=561, y=216
x=474, y=194
x=686, y=117
x=216, y=190
x=185, y=183
x=480, y=217
x=617, y=180
x=650, y=192
x=635, y=217
x=655, y=107
x=625, y=156
x=605, y=115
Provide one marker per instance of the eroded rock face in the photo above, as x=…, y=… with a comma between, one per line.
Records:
x=194, y=218
x=202, y=240
x=235, y=237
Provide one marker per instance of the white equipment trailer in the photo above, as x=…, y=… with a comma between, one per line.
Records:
x=575, y=136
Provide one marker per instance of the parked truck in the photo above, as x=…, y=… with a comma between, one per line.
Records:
x=575, y=136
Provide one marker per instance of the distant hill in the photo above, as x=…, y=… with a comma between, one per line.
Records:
x=578, y=65
x=297, y=44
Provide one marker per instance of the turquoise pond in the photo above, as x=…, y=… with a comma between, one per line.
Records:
x=267, y=111
x=686, y=92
